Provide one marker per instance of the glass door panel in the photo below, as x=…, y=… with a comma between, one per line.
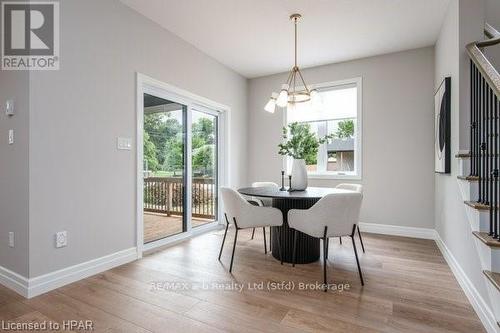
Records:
x=164, y=168
x=204, y=144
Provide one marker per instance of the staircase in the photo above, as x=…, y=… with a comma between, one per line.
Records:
x=479, y=168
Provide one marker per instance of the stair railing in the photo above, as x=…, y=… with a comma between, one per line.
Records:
x=484, y=126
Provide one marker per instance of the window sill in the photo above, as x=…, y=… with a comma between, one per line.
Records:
x=333, y=176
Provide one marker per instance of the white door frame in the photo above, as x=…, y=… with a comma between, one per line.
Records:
x=146, y=84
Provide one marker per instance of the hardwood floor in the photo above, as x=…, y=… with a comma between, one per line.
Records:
x=408, y=288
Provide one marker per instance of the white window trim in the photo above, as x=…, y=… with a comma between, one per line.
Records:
x=358, y=81
x=146, y=84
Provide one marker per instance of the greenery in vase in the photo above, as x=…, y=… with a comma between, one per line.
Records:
x=300, y=142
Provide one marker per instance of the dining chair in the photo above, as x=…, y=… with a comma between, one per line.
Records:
x=263, y=202
x=334, y=215
x=356, y=188
x=244, y=215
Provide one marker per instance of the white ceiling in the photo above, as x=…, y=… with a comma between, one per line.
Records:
x=255, y=37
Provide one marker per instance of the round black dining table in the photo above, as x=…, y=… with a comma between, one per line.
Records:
x=308, y=248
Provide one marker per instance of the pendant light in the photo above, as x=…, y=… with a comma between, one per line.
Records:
x=290, y=94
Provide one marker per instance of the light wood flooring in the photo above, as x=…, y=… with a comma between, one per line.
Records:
x=408, y=288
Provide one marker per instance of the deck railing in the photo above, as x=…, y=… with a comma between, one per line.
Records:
x=166, y=195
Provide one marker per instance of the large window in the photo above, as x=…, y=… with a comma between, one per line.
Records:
x=340, y=115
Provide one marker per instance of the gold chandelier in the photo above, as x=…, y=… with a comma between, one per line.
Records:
x=290, y=93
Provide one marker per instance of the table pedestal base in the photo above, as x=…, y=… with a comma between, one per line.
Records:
x=308, y=248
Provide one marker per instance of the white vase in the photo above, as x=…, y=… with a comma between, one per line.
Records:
x=299, y=175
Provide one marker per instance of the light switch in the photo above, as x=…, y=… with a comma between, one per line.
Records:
x=11, y=137
x=124, y=143
x=9, y=107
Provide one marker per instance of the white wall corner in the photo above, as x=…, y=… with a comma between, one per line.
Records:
x=14, y=281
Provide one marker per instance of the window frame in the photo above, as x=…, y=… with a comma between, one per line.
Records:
x=358, y=154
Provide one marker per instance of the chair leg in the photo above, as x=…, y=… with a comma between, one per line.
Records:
x=340, y=240
x=357, y=261
x=270, y=239
x=324, y=259
x=361, y=240
x=253, y=233
x=265, y=245
x=279, y=249
x=294, y=259
x=327, y=247
x=223, y=240
x=234, y=245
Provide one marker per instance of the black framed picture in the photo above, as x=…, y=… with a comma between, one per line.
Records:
x=442, y=127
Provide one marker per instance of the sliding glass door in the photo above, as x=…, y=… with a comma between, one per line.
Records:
x=204, y=152
x=164, y=168
x=180, y=167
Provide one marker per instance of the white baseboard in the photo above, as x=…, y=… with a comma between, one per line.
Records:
x=14, y=281
x=44, y=283
x=394, y=230
x=480, y=306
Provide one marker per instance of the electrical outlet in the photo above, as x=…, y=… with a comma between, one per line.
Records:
x=11, y=137
x=61, y=239
x=11, y=239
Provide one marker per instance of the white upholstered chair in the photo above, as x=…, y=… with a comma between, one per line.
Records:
x=264, y=202
x=244, y=215
x=334, y=215
x=356, y=188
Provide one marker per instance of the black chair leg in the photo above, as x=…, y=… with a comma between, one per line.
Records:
x=265, y=244
x=253, y=233
x=340, y=240
x=270, y=239
x=223, y=240
x=279, y=249
x=234, y=245
x=361, y=240
x=294, y=259
x=357, y=261
x=324, y=259
x=327, y=247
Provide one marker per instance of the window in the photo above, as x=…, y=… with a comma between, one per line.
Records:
x=340, y=115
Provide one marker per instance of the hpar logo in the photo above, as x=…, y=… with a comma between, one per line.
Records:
x=30, y=39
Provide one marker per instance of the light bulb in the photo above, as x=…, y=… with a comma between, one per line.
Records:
x=291, y=108
x=271, y=105
x=283, y=96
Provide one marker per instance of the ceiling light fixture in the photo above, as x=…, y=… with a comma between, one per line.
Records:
x=290, y=94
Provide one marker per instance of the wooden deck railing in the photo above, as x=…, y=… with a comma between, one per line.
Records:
x=166, y=195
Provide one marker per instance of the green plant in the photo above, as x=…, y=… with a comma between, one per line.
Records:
x=300, y=143
x=345, y=129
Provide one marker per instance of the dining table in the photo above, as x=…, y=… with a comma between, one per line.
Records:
x=308, y=248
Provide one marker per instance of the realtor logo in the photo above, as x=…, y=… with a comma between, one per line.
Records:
x=30, y=38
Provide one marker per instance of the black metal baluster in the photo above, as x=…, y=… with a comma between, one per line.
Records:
x=484, y=129
x=474, y=145
x=495, y=157
x=472, y=119
x=487, y=117
x=479, y=138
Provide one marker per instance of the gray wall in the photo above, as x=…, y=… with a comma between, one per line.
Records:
x=79, y=182
x=451, y=219
x=14, y=185
x=398, y=134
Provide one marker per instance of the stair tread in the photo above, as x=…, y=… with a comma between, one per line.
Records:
x=487, y=239
x=477, y=205
x=463, y=155
x=494, y=278
x=469, y=178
